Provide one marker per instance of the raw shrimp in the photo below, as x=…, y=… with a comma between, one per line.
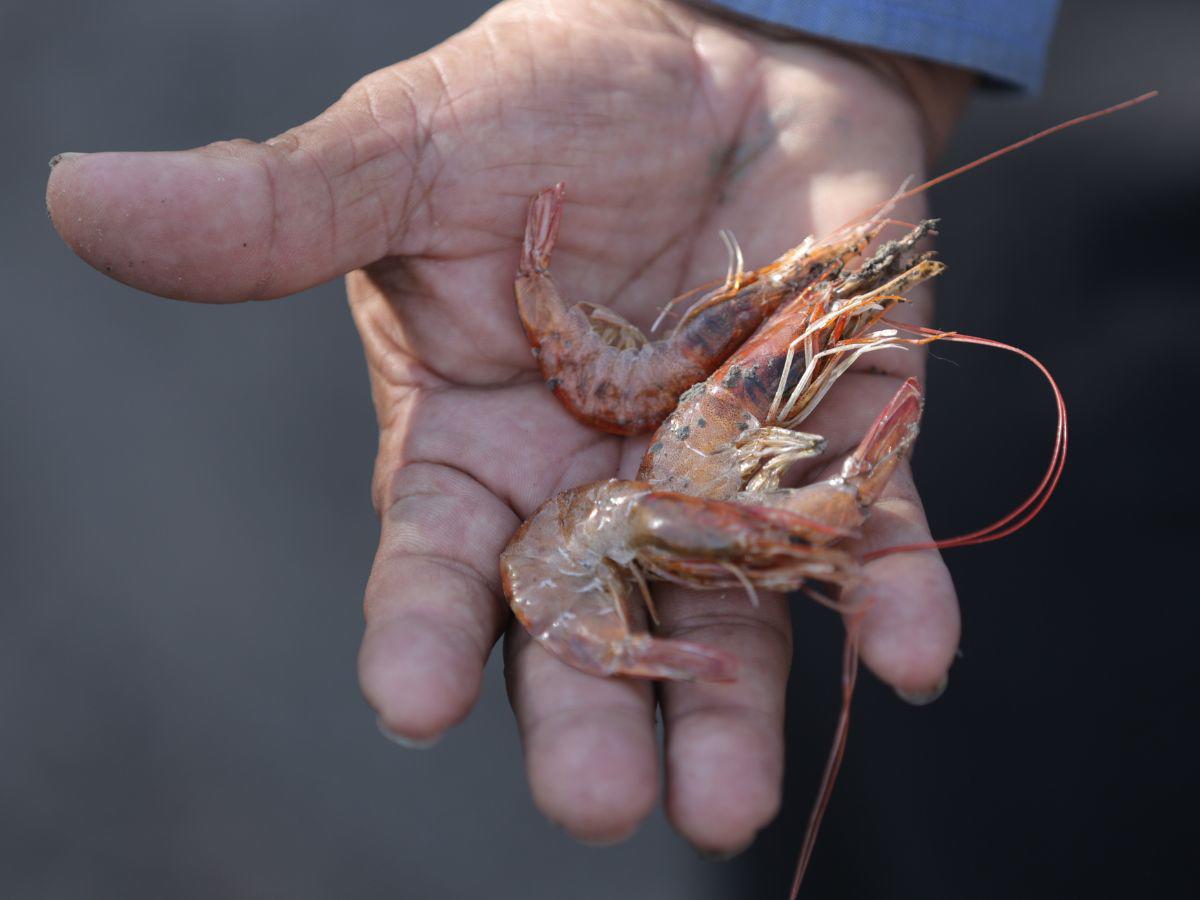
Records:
x=606, y=372
x=706, y=508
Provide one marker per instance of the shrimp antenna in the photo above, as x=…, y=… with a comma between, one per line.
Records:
x=1024, y=513
x=737, y=266
x=1054, y=129
x=836, y=752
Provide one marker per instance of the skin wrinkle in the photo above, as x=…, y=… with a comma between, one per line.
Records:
x=395, y=366
x=721, y=177
x=497, y=489
x=415, y=151
x=427, y=173
x=569, y=715
x=448, y=563
x=403, y=472
x=499, y=99
x=418, y=291
x=391, y=233
x=760, y=719
x=696, y=88
x=399, y=531
x=690, y=627
x=314, y=159
x=567, y=479
x=465, y=572
x=262, y=286
x=465, y=625
x=383, y=337
x=655, y=256
x=584, y=442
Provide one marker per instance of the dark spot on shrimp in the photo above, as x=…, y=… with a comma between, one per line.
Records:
x=602, y=388
x=656, y=447
x=703, y=423
x=756, y=389
x=690, y=394
x=796, y=539
x=683, y=433
x=734, y=376
x=553, y=383
x=742, y=426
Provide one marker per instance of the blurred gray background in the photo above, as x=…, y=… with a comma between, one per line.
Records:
x=185, y=527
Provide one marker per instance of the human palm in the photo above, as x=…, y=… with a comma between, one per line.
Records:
x=666, y=125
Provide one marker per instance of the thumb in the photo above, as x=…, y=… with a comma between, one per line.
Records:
x=239, y=220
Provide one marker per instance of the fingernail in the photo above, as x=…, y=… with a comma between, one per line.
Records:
x=607, y=842
x=55, y=160
x=721, y=855
x=406, y=742
x=924, y=698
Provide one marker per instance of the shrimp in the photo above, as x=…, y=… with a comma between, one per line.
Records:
x=707, y=509
x=606, y=372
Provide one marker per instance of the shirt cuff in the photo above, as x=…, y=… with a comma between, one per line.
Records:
x=1004, y=40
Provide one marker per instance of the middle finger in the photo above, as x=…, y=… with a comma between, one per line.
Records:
x=591, y=753
x=724, y=741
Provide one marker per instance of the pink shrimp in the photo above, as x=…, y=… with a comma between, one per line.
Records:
x=605, y=371
x=707, y=509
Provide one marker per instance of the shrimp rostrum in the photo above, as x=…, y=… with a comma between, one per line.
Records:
x=727, y=389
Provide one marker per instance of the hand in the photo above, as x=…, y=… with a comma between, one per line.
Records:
x=666, y=125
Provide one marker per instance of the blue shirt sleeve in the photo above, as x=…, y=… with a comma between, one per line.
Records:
x=1004, y=40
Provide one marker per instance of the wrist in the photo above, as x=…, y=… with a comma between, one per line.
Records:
x=937, y=92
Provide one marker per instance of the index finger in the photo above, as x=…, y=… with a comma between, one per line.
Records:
x=432, y=604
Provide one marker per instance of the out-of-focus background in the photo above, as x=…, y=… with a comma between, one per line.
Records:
x=185, y=527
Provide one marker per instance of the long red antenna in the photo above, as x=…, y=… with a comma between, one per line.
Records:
x=1024, y=142
x=836, y=752
x=1023, y=514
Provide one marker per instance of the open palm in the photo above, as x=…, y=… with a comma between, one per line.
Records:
x=666, y=125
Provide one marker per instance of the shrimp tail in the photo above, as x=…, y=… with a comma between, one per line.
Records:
x=645, y=656
x=541, y=230
x=890, y=437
